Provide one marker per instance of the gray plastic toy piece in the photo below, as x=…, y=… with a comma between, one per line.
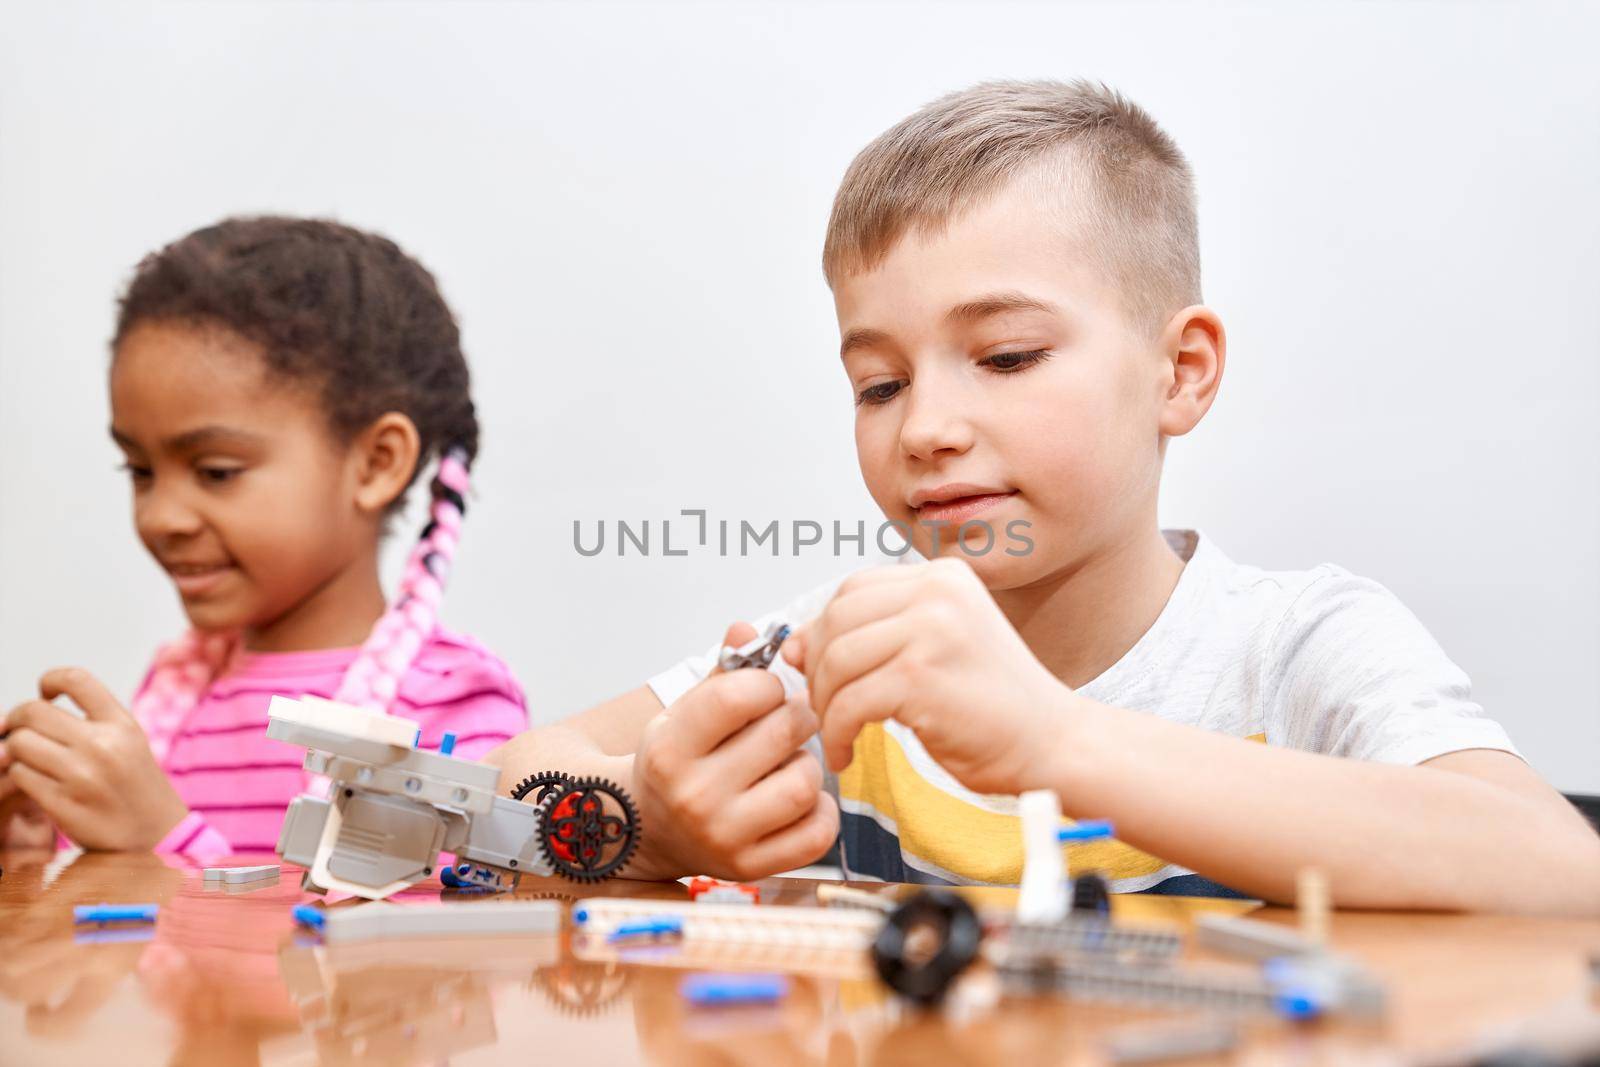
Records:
x=383, y=839
x=302, y=829
x=219, y=876
x=392, y=808
x=1250, y=938
x=1150, y=1043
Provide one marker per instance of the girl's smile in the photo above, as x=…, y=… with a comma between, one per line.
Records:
x=198, y=580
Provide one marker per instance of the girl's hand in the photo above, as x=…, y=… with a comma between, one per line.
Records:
x=927, y=645
x=24, y=825
x=96, y=776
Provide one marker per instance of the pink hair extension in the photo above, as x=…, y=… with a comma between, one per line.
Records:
x=374, y=678
x=181, y=674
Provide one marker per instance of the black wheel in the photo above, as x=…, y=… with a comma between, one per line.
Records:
x=542, y=786
x=925, y=945
x=590, y=829
x=1091, y=894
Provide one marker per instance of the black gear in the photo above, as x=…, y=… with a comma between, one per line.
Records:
x=578, y=832
x=1091, y=894
x=545, y=782
x=921, y=977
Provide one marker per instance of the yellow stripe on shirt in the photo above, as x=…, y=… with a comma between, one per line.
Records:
x=949, y=833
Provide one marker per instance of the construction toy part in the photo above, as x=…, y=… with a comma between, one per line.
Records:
x=722, y=990
x=1082, y=934
x=115, y=913
x=472, y=876
x=776, y=925
x=706, y=890
x=590, y=829
x=758, y=652
x=1250, y=938
x=1043, y=895
x=256, y=877
x=1090, y=893
x=654, y=928
x=1088, y=830
x=1158, y=1043
x=541, y=787
x=925, y=944
x=384, y=920
x=392, y=808
x=847, y=897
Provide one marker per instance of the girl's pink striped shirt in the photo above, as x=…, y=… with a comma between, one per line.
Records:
x=238, y=782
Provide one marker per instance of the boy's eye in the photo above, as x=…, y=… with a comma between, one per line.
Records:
x=879, y=394
x=1012, y=361
x=137, y=473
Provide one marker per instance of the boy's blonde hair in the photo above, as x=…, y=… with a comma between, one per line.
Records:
x=1126, y=184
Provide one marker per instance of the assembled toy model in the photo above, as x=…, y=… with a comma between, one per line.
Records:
x=392, y=808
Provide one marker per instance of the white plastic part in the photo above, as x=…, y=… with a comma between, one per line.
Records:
x=344, y=719
x=240, y=875
x=490, y=917
x=799, y=927
x=1043, y=897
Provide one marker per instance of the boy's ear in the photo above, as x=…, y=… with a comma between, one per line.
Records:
x=1195, y=349
x=384, y=456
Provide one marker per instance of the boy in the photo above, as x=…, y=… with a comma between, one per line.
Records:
x=1016, y=274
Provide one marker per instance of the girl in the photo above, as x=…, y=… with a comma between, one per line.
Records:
x=277, y=385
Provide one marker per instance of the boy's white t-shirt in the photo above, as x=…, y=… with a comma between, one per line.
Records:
x=1319, y=660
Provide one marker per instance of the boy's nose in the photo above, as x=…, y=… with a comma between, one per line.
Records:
x=934, y=424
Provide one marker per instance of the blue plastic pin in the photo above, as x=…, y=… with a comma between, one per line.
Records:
x=416, y=742
x=447, y=744
x=1088, y=830
x=115, y=913
x=1297, y=1004
x=658, y=926
x=711, y=990
x=309, y=915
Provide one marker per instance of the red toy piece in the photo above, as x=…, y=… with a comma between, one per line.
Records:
x=704, y=890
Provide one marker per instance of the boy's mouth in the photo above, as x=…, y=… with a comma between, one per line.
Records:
x=956, y=503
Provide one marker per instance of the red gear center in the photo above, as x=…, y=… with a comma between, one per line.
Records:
x=563, y=810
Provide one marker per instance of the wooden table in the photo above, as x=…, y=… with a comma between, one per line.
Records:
x=225, y=978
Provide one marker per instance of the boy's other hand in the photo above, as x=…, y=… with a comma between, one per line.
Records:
x=927, y=645
x=95, y=776
x=724, y=788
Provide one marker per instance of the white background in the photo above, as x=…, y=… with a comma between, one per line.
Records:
x=1400, y=226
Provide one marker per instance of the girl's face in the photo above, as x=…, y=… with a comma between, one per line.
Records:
x=240, y=490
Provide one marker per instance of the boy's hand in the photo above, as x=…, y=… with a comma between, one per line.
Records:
x=723, y=786
x=96, y=776
x=927, y=645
